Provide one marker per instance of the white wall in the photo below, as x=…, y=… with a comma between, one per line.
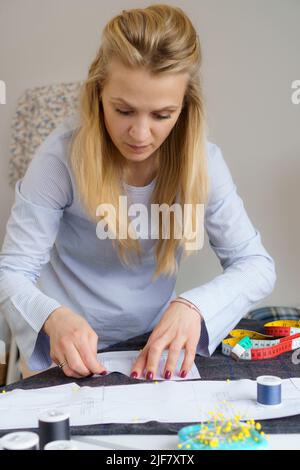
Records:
x=251, y=57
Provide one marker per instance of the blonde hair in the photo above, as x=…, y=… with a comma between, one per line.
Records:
x=161, y=39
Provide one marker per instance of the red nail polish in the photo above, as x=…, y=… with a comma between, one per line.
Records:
x=183, y=374
x=167, y=375
x=104, y=372
x=149, y=375
x=134, y=374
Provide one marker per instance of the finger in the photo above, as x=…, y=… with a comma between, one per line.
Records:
x=59, y=359
x=188, y=361
x=88, y=353
x=154, y=355
x=93, y=344
x=71, y=373
x=139, y=365
x=175, y=349
x=75, y=360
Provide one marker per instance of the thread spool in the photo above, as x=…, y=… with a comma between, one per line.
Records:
x=61, y=445
x=269, y=390
x=54, y=425
x=21, y=440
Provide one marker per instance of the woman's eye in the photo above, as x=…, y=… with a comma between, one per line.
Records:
x=158, y=116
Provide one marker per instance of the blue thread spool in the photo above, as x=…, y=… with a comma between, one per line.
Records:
x=268, y=390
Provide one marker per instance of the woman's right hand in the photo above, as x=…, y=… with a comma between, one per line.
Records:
x=73, y=340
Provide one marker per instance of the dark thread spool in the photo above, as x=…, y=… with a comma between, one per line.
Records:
x=54, y=425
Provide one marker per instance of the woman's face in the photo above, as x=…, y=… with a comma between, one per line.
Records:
x=140, y=119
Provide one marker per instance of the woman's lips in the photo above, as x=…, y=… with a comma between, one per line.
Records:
x=138, y=146
x=138, y=149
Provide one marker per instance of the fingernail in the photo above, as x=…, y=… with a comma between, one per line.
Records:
x=167, y=374
x=104, y=372
x=183, y=374
x=149, y=375
x=134, y=375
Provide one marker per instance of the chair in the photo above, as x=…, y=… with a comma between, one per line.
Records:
x=39, y=111
x=13, y=370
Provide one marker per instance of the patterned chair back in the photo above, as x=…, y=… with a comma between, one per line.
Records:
x=39, y=111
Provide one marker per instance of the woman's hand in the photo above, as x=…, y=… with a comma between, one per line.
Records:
x=179, y=328
x=74, y=341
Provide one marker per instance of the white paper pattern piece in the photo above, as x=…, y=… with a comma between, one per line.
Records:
x=122, y=361
x=172, y=402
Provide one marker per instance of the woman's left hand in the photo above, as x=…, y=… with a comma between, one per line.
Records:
x=179, y=328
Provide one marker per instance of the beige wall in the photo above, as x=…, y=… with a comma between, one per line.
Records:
x=251, y=57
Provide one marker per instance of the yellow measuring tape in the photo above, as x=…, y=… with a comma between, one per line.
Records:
x=280, y=336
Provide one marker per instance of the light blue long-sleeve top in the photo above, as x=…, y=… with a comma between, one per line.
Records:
x=51, y=256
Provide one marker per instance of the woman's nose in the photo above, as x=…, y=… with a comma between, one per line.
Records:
x=140, y=132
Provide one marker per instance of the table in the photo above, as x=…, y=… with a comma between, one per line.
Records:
x=167, y=442
x=284, y=432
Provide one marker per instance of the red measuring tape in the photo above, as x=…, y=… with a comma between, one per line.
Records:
x=280, y=336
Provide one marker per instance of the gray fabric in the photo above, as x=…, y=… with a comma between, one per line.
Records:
x=216, y=367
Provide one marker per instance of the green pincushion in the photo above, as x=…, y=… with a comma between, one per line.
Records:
x=222, y=435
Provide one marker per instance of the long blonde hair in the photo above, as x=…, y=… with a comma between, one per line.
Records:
x=161, y=39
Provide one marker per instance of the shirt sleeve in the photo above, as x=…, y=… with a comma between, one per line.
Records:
x=40, y=199
x=248, y=269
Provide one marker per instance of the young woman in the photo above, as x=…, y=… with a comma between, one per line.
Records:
x=65, y=289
